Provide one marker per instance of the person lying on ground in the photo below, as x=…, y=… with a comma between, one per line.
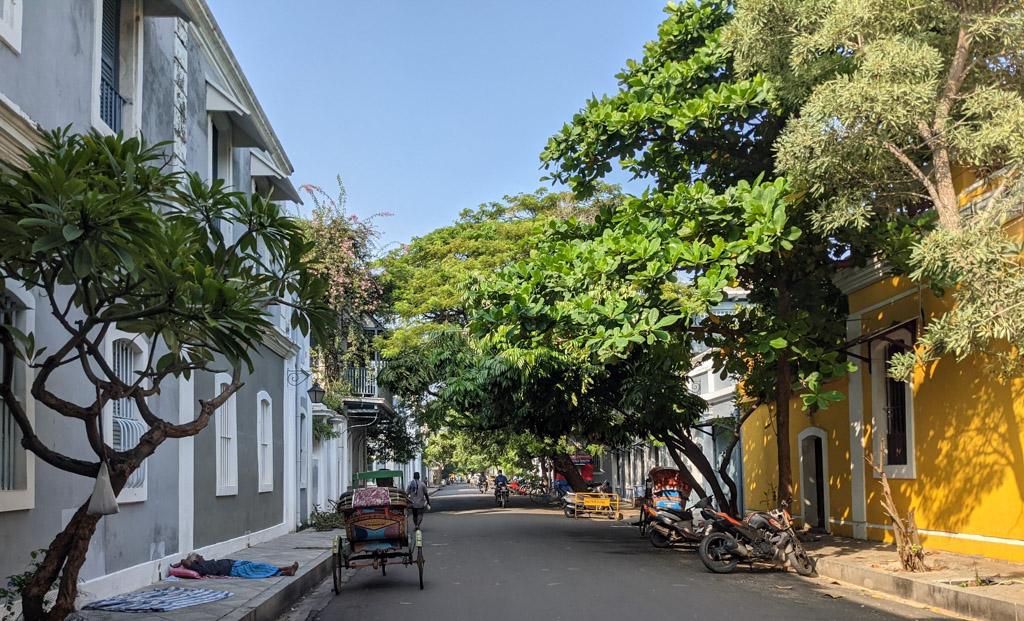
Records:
x=235, y=568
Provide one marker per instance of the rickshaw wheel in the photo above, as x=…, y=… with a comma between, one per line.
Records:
x=419, y=565
x=337, y=573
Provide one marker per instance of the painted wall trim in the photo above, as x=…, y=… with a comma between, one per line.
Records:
x=941, y=533
x=855, y=397
x=821, y=434
x=883, y=304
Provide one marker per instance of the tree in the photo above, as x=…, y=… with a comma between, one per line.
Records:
x=106, y=237
x=343, y=250
x=428, y=280
x=898, y=101
x=704, y=134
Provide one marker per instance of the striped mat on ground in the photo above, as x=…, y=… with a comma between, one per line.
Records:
x=159, y=600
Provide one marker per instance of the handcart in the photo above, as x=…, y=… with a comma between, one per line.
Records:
x=378, y=528
x=582, y=504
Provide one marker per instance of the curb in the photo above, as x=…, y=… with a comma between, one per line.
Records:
x=962, y=601
x=274, y=603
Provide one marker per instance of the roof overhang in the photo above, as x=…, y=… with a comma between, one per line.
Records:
x=245, y=131
x=167, y=8
x=261, y=166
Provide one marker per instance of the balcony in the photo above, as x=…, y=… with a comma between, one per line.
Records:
x=363, y=381
x=111, y=105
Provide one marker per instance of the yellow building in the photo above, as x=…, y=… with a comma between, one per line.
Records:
x=951, y=441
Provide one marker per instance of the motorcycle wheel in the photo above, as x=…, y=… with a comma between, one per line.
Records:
x=712, y=552
x=568, y=512
x=800, y=562
x=658, y=540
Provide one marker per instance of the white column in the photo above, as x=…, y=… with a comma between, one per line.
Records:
x=186, y=467
x=855, y=396
x=289, y=440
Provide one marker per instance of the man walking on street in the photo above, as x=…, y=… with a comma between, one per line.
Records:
x=418, y=497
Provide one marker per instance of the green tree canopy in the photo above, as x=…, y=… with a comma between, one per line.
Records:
x=704, y=134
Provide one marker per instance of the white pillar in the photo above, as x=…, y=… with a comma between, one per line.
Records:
x=186, y=467
x=289, y=441
x=855, y=398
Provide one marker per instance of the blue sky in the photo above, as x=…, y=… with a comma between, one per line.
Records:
x=427, y=107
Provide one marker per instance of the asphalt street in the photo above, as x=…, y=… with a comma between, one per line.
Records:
x=524, y=563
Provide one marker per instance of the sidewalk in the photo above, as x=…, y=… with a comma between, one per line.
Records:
x=252, y=600
x=998, y=595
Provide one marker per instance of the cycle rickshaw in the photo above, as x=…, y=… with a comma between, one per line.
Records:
x=378, y=527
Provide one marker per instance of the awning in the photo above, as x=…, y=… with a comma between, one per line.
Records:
x=245, y=133
x=166, y=8
x=883, y=334
x=261, y=166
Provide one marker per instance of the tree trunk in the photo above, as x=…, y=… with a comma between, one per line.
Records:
x=696, y=455
x=723, y=468
x=783, y=394
x=64, y=559
x=564, y=466
x=684, y=471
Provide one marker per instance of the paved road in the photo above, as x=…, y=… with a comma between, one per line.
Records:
x=531, y=564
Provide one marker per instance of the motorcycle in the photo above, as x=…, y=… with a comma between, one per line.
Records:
x=667, y=527
x=762, y=536
x=569, y=504
x=501, y=495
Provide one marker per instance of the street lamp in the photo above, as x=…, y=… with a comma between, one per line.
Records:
x=316, y=393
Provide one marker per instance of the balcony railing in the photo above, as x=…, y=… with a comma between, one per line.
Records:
x=111, y=105
x=363, y=381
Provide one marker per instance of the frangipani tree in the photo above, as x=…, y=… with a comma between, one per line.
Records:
x=106, y=237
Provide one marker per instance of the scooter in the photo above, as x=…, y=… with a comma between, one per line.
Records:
x=668, y=527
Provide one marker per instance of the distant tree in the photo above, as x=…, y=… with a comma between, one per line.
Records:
x=107, y=237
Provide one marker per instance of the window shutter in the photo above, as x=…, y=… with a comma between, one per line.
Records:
x=110, y=47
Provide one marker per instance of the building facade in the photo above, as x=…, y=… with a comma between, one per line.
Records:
x=949, y=440
x=160, y=69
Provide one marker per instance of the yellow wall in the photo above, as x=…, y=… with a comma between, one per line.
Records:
x=969, y=442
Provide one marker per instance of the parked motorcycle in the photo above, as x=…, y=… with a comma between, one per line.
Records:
x=501, y=495
x=763, y=536
x=668, y=527
x=569, y=504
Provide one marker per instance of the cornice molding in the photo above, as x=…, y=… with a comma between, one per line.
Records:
x=279, y=343
x=854, y=279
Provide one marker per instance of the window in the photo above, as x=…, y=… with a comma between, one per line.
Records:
x=118, y=66
x=892, y=408
x=10, y=23
x=17, y=466
x=122, y=425
x=12, y=455
x=126, y=428
x=226, y=424
x=265, y=441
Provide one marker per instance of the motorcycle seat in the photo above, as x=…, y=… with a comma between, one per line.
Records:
x=682, y=514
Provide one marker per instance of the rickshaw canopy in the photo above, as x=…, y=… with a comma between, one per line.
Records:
x=376, y=475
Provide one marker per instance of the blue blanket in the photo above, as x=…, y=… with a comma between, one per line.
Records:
x=158, y=600
x=253, y=569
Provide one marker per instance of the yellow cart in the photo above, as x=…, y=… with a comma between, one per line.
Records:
x=597, y=504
